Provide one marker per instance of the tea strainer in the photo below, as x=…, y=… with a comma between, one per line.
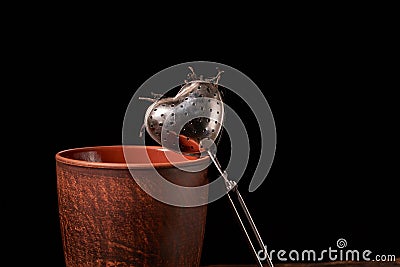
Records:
x=191, y=123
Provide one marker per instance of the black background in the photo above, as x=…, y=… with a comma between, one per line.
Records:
x=333, y=175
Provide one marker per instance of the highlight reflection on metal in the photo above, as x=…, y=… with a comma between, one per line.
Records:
x=191, y=123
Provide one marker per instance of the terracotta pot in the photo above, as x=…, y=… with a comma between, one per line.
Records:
x=108, y=220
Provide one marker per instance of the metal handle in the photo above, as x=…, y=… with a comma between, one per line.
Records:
x=232, y=187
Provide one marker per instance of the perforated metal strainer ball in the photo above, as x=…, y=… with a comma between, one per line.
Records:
x=180, y=123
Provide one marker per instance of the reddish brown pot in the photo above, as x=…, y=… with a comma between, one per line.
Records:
x=108, y=220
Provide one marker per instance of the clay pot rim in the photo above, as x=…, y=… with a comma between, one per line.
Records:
x=112, y=165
